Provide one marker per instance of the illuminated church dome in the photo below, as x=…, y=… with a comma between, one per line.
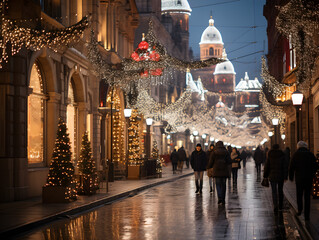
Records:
x=224, y=67
x=179, y=6
x=211, y=35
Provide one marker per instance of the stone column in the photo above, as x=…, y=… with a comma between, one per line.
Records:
x=53, y=110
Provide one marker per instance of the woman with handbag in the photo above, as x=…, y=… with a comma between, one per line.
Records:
x=235, y=165
x=276, y=169
x=210, y=170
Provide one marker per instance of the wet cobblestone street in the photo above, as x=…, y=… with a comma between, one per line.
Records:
x=174, y=211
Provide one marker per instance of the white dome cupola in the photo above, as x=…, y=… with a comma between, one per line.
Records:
x=211, y=35
x=176, y=6
x=224, y=67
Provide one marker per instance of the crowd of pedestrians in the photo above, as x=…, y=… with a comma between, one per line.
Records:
x=223, y=163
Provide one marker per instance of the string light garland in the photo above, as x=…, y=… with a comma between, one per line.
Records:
x=61, y=169
x=34, y=39
x=275, y=87
x=299, y=21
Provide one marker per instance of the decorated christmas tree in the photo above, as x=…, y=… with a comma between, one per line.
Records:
x=88, y=183
x=61, y=168
x=315, y=184
x=155, y=155
x=155, y=150
x=133, y=140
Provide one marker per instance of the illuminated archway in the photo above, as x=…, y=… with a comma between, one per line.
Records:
x=71, y=119
x=36, y=106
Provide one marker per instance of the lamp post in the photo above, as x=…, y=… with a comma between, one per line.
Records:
x=204, y=140
x=275, y=122
x=127, y=115
x=297, y=98
x=149, y=122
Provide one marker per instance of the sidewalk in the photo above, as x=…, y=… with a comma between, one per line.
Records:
x=311, y=228
x=20, y=216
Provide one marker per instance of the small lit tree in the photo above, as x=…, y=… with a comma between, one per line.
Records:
x=87, y=169
x=61, y=168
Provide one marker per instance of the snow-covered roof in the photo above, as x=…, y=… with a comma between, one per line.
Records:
x=211, y=35
x=176, y=6
x=247, y=84
x=195, y=86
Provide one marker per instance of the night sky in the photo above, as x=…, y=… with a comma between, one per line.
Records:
x=235, y=20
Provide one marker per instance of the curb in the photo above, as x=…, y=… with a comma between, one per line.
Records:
x=32, y=225
x=302, y=228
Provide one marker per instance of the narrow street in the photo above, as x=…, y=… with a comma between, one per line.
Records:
x=174, y=211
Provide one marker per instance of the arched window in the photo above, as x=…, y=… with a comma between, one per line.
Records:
x=36, y=107
x=211, y=51
x=71, y=119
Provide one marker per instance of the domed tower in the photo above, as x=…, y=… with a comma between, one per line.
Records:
x=224, y=76
x=211, y=43
x=179, y=11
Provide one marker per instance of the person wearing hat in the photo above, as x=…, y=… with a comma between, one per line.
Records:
x=199, y=164
x=303, y=167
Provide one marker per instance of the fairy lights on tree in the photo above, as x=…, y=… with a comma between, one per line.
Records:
x=87, y=167
x=34, y=39
x=61, y=168
x=133, y=140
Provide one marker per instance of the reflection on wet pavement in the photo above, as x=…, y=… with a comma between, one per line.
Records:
x=174, y=211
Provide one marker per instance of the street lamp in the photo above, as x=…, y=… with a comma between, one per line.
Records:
x=127, y=112
x=297, y=98
x=270, y=134
x=275, y=122
x=149, y=122
x=195, y=133
x=283, y=136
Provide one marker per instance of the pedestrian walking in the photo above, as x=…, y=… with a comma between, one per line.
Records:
x=220, y=162
x=199, y=164
x=187, y=158
x=259, y=158
x=235, y=157
x=211, y=180
x=303, y=167
x=181, y=158
x=244, y=156
x=174, y=160
x=276, y=170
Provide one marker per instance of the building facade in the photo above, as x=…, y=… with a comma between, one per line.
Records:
x=39, y=87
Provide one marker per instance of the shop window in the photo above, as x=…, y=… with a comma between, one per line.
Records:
x=292, y=55
x=36, y=107
x=71, y=113
x=211, y=51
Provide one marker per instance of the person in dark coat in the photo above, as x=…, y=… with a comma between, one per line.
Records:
x=220, y=162
x=244, y=156
x=287, y=155
x=303, y=167
x=235, y=157
x=199, y=164
x=276, y=169
x=174, y=160
x=209, y=173
x=259, y=158
x=181, y=158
